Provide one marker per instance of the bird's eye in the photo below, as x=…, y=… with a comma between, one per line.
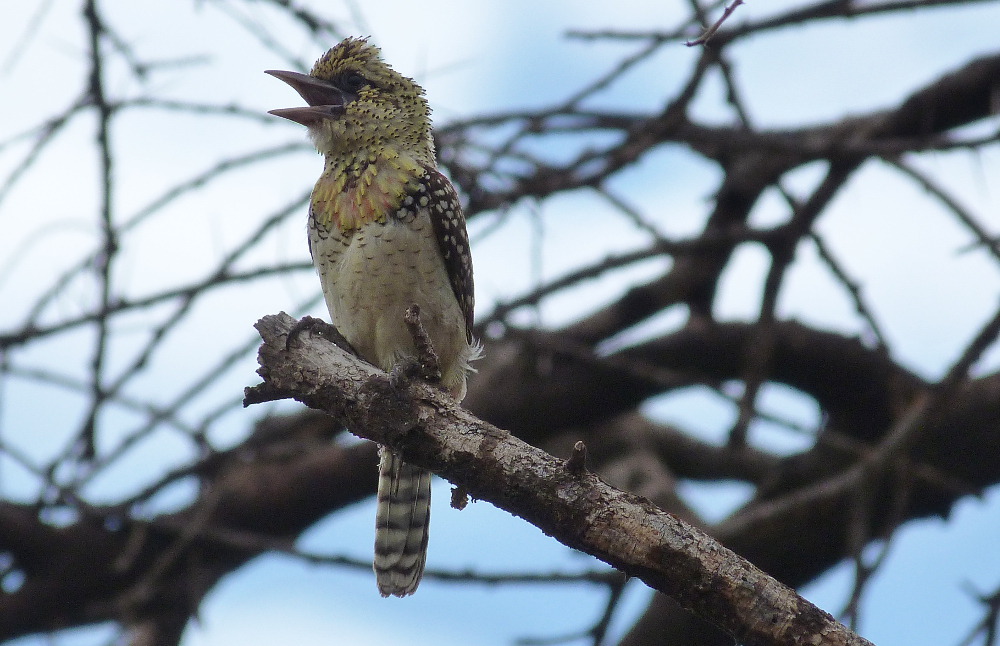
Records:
x=353, y=82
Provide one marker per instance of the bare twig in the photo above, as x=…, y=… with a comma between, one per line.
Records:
x=427, y=358
x=708, y=33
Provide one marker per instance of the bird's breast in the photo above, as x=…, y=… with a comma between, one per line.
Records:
x=355, y=190
x=372, y=274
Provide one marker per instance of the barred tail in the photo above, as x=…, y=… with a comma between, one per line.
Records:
x=401, y=523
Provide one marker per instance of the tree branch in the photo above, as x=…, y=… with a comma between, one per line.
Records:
x=576, y=508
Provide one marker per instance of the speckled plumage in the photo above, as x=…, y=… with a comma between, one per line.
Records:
x=386, y=230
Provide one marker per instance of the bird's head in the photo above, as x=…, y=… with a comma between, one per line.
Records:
x=358, y=105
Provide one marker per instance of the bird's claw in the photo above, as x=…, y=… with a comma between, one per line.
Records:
x=323, y=329
x=403, y=371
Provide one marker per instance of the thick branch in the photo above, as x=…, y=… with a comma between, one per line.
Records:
x=578, y=509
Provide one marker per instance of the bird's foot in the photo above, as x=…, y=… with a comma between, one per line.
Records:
x=323, y=329
x=405, y=369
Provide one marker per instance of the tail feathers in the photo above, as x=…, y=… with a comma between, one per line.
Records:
x=401, y=524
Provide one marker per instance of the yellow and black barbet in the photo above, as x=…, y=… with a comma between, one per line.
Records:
x=386, y=231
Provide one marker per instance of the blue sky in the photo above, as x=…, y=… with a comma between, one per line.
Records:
x=471, y=58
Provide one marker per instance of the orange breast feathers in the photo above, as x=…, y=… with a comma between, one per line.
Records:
x=362, y=193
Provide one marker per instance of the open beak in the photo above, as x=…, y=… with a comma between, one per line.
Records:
x=326, y=101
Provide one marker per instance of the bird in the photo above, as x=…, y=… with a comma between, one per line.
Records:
x=386, y=231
